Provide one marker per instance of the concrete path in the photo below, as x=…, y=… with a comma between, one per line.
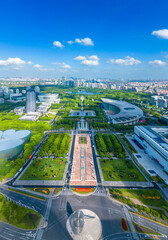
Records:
x=38, y=183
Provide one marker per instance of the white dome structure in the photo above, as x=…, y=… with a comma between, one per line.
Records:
x=119, y=112
x=12, y=142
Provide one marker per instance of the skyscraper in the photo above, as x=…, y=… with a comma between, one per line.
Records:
x=30, y=101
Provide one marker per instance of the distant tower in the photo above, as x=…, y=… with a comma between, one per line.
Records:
x=17, y=91
x=30, y=100
x=37, y=89
x=63, y=80
x=1, y=92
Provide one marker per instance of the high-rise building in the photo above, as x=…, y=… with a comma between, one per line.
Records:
x=1, y=92
x=30, y=100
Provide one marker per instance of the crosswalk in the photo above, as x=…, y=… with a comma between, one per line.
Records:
x=9, y=233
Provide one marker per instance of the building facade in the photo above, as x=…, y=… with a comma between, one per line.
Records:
x=30, y=101
x=122, y=113
x=154, y=140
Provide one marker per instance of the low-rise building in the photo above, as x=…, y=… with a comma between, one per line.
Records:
x=49, y=98
x=19, y=110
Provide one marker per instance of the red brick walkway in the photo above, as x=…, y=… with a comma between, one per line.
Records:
x=83, y=171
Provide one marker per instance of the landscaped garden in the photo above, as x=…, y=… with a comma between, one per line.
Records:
x=18, y=216
x=120, y=170
x=45, y=169
x=124, y=224
x=83, y=190
x=148, y=202
x=57, y=190
x=44, y=190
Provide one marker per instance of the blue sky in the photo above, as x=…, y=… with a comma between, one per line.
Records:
x=119, y=39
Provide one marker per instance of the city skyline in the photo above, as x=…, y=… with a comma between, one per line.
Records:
x=94, y=39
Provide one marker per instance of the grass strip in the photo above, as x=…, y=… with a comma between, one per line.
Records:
x=27, y=194
x=141, y=229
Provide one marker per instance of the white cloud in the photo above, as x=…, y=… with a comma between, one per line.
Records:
x=90, y=62
x=85, y=41
x=58, y=63
x=80, y=58
x=12, y=61
x=38, y=66
x=63, y=65
x=66, y=66
x=94, y=57
x=41, y=68
x=127, y=61
x=157, y=63
x=58, y=44
x=29, y=62
x=70, y=42
x=163, y=33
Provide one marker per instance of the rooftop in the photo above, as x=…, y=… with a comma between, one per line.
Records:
x=158, y=134
x=126, y=112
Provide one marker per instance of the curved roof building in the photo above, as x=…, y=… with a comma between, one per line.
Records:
x=12, y=142
x=48, y=97
x=119, y=112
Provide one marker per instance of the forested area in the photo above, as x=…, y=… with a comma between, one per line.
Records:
x=67, y=124
x=99, y=125
x=57, y=144
x=109, y=144
x=10, y=121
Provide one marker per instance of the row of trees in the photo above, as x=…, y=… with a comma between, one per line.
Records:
x=99, y=125
x=109, y=144
x=57, y=144
x=117, y=147
x=64, y=123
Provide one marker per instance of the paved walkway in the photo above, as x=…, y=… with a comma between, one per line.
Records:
x=127, y=184
x=38, y=183
x=83, y=171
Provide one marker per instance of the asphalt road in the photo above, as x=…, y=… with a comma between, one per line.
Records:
x=8, y=232
x=151, y=224
x=109, y=213
x=34, y=203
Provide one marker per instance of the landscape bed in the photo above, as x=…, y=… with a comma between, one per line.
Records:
x=83, y=190
x=148, y=202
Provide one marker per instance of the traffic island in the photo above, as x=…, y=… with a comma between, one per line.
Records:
x=84, y=224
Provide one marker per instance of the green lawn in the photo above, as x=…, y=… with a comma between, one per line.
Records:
x=18, y=216
x=120, y=170
x=151, y=197
x=27, y=194
x=45, y=169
